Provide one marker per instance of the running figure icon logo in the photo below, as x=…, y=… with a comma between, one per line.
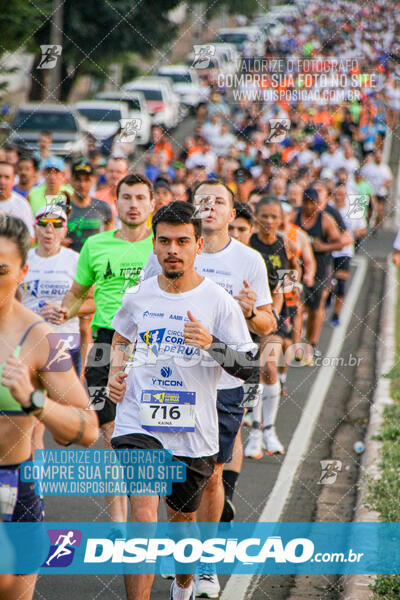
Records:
x=202, y=55
x=278, y=129
x=50, y=55
x=357, y=206
x=329, y=471
x=62, y=547
x=129, y=129
x=59, y=359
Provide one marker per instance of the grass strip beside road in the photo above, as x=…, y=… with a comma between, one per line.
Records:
x=384, y=491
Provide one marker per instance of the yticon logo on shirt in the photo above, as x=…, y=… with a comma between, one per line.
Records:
x=167, y=379
x=62, y=547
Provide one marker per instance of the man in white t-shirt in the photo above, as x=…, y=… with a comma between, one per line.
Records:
x=334, y=157
x=12, y=203
x=241, y=271
x=176, y=320
x=354, y=219
x=377, y=173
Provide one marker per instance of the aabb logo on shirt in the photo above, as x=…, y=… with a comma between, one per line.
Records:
x=62, y=547
x=153, y=338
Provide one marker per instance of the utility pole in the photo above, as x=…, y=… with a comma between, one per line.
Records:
x=56, y=36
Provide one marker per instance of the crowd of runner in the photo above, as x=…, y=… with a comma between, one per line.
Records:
x=235, y=245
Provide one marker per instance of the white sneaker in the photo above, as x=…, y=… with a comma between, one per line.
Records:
x=271, y=441
x=206, y=582
x=253, y=447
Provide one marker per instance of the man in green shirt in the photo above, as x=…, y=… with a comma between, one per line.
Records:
x=113, y=261
x=54, y=174
x=366, y=191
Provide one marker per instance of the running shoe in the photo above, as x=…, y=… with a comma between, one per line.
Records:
x=271, y=441
x=229, y=512
x=253, y=447
x=308, y=358
x=317, y=352
x=171, y=593
x=335, y=322
x=284, y=391
x=206, y=581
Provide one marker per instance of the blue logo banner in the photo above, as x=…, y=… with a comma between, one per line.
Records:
x=281, y=548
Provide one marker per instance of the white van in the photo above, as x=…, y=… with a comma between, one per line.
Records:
x=162, y=103
x=137, y=110
x=250, y=41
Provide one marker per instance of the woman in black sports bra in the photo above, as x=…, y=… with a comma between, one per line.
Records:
x=31, y=362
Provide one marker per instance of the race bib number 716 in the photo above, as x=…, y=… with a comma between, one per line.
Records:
x=167, y=411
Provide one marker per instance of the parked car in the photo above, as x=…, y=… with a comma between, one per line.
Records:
x=64, y=123
x=185, y=83
x=250, y=41
x=137, y=110
x=104, y=120
x=228, y=56
x=207, y=72
x=103, y=117
x=162, y=102
x=285, y=11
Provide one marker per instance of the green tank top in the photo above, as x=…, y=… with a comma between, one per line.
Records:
x=9, y=406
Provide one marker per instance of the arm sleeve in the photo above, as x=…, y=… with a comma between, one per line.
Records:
x=84, y=271
x=244, y=365
x=124, y=320
x=232, y=347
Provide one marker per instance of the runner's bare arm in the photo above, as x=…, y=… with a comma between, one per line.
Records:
x=309, y=264
x=74, y=299
x=45, y=365
x=331, y=231
x=261, y=319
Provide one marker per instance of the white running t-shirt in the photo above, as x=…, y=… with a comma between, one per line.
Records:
x=229, y=268
x=172, y=387
x=17, y=206
x=48, y=280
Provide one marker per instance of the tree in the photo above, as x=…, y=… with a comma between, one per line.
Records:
x=19, y=21
x=98, y=32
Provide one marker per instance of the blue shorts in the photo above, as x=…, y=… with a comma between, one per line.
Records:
x=29, y=505
x=230, y=415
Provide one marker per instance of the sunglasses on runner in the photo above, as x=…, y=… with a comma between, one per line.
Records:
x=44, y=221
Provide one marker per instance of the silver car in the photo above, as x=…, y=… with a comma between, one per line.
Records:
x=63, y=122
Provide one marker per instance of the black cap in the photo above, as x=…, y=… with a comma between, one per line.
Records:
x=310, y=194
x=162, y=183
x=82, y=166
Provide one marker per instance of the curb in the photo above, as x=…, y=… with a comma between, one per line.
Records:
x=356, y=587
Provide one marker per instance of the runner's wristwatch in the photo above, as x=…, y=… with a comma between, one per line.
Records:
x=253, y=314
x=37, y=402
